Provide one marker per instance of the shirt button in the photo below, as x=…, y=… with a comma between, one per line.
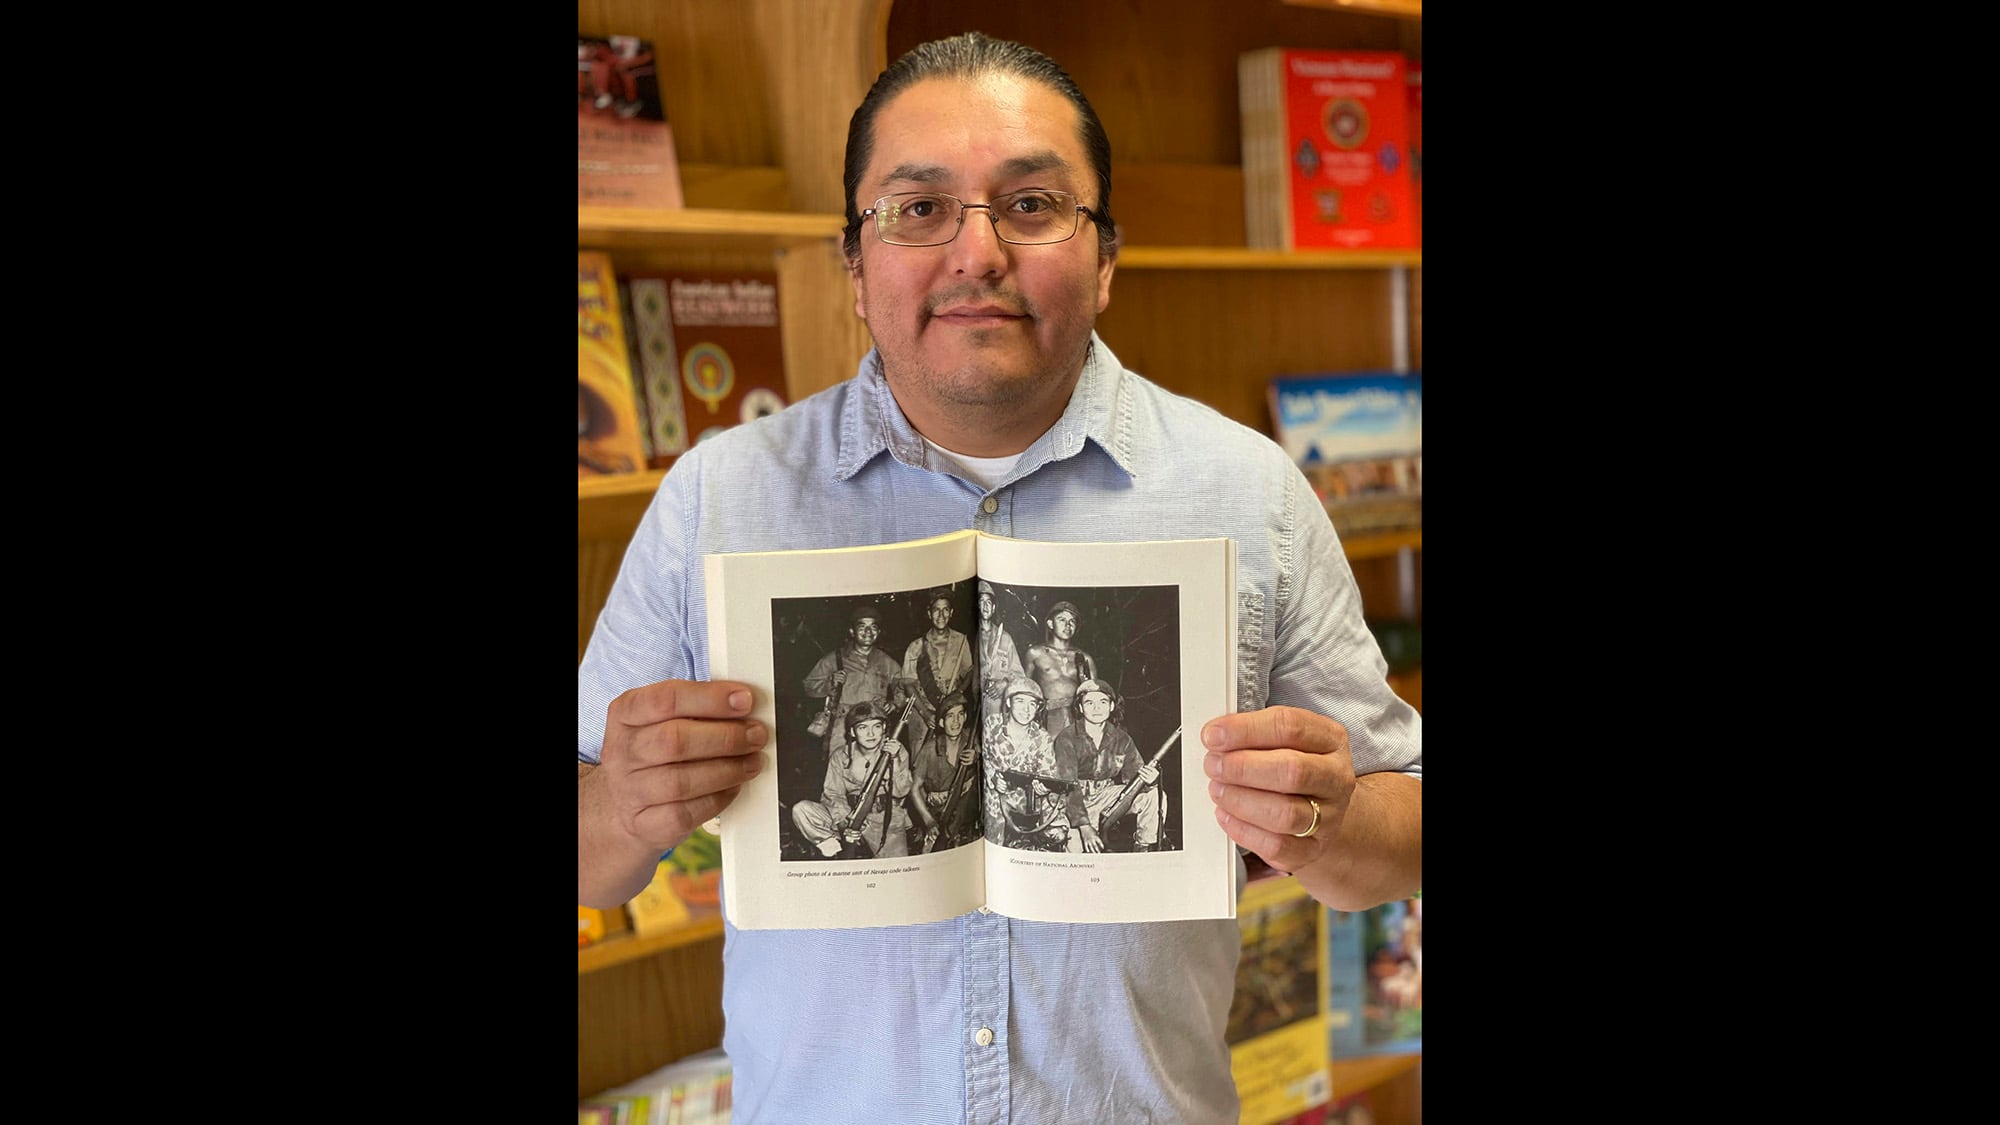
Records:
x=984, y=1038
x=986, y=910
x=989, y=505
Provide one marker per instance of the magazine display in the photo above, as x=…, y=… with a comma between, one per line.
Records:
x=1025, y=721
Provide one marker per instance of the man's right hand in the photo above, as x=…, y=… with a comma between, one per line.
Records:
x=675, y=754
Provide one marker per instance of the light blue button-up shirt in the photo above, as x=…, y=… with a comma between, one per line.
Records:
x=983, y=1018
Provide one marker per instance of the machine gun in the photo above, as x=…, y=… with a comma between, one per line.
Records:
x=875, y=789
x=1130, y=793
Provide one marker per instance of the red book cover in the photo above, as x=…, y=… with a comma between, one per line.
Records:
x=1417, y=146
x=720, y=348
x=1327, y=149
x=624, y=145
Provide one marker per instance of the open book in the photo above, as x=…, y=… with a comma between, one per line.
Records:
x=977, y=721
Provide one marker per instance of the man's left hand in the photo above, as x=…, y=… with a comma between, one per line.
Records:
x=1265, y=770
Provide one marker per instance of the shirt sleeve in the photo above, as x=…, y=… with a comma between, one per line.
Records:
x=1326, y=660
x=645, y=632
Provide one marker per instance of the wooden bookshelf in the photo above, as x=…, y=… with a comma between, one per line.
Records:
x=617, y=949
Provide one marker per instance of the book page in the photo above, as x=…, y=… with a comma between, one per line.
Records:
x=1155, y=624
x=795, y=855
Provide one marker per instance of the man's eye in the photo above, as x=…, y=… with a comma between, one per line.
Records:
x=920, y=208
x=1031, y=204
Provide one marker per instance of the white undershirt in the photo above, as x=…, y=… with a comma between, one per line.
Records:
x=987, y=471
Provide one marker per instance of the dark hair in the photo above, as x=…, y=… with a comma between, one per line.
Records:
x=969, y=56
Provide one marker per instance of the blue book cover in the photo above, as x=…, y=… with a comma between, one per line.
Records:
x=1374, y=980
x=1325, y=418
x=1346, y=992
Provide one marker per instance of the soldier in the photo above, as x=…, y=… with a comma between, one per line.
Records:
x=1102, y=758
x=885, y=829
x=1059, y=666
x=1029, y=802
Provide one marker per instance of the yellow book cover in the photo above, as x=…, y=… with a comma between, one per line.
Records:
x=607, y=414
x=589, y=925
x=1277, y=1031
x=657, y=908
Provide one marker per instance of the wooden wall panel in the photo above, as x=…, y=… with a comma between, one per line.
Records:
x=1231, y=330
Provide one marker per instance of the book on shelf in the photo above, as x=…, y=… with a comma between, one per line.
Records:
x=684, y=886
x=624, y=144
x=1277, y=1027
x=656, y=370
x=710, y=351
x=1416, y=79
x=696, y=1090
x=1359, y=438
x=834, y=835
x=589, y=925
x=1325, y=143
x=657, y=908
x=1374, y=979
x=607, y=413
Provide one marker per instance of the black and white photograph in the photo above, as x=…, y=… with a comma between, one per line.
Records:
x=916, y=721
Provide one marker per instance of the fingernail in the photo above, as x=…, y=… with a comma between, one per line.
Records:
x=740, y=700
x=758, y=734
x=751, y=764
x=1215, y=790
x=1211, y=737
x=1211, y=764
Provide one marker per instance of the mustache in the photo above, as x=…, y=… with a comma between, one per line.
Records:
x=1015, y=303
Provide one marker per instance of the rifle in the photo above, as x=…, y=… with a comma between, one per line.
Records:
x=954, y=806
x=1130, y=793
x=876, y=788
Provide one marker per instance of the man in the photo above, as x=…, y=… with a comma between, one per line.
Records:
x=855, y=672
x=981, y=247
x=1059, y=666
x=947, y=769
x=883, y=829
x=1103, y=759
x=999, y=660
x=937, y=663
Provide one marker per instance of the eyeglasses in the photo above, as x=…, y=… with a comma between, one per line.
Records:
x=932, y=218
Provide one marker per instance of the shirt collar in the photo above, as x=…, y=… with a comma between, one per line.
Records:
x=1099, y=410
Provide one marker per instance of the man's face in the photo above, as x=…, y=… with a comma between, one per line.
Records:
x=986, y=607
x=940, y=613
x=954, y=720
x=1096, y=706
x=865, y=632
x=1065, y=624
x=979, y=322
x=868, y=732
x=1023, y=707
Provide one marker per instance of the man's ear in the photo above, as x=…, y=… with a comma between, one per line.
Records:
x=860, y=286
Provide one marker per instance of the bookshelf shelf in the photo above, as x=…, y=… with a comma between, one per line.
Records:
x=1382, y=544
x=1400, y=9
x=1231, y=258
x=623, y=228
x=1369, y=1071
x=621, y=948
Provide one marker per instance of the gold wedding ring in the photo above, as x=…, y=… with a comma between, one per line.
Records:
x=1314, y=826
